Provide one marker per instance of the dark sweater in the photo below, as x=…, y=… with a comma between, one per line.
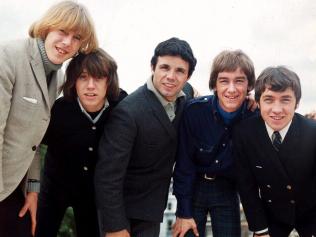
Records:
x=72, y=141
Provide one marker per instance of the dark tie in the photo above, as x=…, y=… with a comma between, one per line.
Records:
x=276, y=140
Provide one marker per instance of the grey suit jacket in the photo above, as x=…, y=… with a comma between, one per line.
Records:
x=25, y=103
x=136, y=157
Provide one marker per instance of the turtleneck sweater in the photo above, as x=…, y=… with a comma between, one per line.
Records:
x=49, y=67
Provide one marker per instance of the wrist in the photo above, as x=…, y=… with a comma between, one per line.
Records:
x=262, y=233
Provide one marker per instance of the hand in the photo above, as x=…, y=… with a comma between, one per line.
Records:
x=252, y=105
x=30, y=205
x=121, y=233
x=182, y=225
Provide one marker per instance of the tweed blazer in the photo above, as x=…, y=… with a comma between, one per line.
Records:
x=278, y=186
x=25, y=103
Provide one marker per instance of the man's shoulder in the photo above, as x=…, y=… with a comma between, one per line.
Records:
x=63, y=106
x=250, y=123
x=199, y=103
x=13, y=47
x=134, y=102
x=304, y=123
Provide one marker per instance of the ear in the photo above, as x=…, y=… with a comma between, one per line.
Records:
x=297, y=105
x=152, y=69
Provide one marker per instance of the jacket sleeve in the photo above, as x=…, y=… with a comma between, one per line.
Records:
x=115, y=149
x=185, y=170
x=247, y=186
x=7, y=77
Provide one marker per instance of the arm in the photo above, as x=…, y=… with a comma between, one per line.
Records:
x=114, y=153
x=7, y=77
x=31, y=205
x=185, y=171
x=33, y=187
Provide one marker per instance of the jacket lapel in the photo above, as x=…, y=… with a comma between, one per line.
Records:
x=159, y=112
x=272, y=158
x=38, y=69
x=289, y=144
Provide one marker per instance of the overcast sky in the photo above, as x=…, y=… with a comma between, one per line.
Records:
x=271, y=32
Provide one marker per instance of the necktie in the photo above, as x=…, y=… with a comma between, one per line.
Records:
x=276, y=140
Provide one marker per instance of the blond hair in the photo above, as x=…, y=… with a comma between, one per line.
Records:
x=69, y=16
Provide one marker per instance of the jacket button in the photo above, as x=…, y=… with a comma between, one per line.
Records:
x=269, y=200
x=90, y=148
x=268, y=186
x=94, y=127
x=85, y=168
x=33, y=148
x=292, y=202
x=216, y=161
x=289, y=187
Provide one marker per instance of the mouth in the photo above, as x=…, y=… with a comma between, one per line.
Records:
x=232, y=97
x=276, y=118
x=61, y=51
x=90, y=95
x=169, y=85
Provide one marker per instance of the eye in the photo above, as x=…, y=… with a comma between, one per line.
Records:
x=83, y=76
x=223, y=81
x=286, y=100
x=164, y=67
x=62, y=31
x=77, y=37
x=268, y=100
x=181, y=71
x=240, y=81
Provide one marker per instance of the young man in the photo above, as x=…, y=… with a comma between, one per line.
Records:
x=203, y=179
x=137, y=150
x=276, y=159
x=30, y=76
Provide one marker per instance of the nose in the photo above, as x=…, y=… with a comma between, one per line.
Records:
x=231, y=87
x=276, y=108
x=171, y=75
x=67, y=39
x=91, y=84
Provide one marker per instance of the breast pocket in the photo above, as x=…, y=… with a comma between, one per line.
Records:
x=23, y=112
x=205, y=154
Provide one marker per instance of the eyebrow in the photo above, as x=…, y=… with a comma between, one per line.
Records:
x=241, y=77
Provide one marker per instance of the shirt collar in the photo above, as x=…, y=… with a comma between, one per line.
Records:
x=95, y=120
x=282, y=132
x=162, y=100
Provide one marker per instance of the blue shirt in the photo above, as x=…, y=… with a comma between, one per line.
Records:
x=205, y=146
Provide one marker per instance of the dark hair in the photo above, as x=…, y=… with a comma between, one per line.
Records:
x=278, y=79
x=229, y=61
x=98, y=64
x=175, y=47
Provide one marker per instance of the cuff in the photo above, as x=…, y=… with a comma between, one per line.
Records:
x=262, y=232
x=184, y=208
x=33, y=186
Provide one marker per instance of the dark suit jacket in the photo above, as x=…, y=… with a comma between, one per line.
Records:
x=136, y=157
x=278, y=186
